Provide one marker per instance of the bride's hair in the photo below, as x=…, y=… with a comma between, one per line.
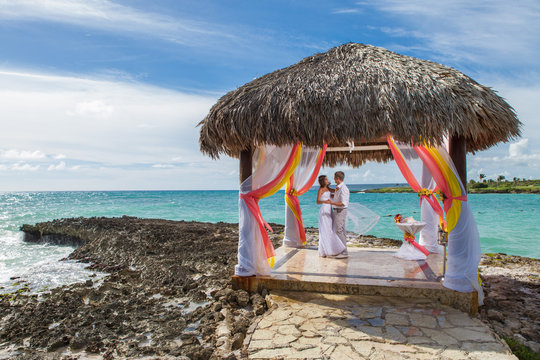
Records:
x=321, y=180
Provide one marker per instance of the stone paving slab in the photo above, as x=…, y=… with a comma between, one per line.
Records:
x=328, y=326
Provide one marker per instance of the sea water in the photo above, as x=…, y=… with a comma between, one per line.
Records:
x=507, y=223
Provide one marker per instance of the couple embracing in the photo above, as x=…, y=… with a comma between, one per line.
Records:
x=332, y=217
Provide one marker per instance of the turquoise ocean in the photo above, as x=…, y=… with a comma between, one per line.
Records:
x=507, y=223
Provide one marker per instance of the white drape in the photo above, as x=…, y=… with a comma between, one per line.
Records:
x=302, y=174
x=464, y=251
x=268, y=161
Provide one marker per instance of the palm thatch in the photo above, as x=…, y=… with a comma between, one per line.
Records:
x=359, y=93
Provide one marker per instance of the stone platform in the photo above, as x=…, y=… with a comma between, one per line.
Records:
x=367, y=271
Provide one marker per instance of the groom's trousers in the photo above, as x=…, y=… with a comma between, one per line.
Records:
x=340, y=215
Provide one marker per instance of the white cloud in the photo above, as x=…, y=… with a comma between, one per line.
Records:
x=487, y=32
x=24, y=167
x=110, y=16
x=347, y=11
x=367, y=176
x=524, y=99
x=13, y=154
x=517, y=161
x=99, y=131
x=519, y=149
x=93, y=108
x=60, y=166
x=38, y=113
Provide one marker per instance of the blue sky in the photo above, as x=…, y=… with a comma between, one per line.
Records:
x=105, y=95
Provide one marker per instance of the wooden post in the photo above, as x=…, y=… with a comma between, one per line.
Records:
x=245, y=164
x=244, y=230
x=458, y=152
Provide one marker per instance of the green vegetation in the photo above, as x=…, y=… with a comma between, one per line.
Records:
x=11, y=296
x=502, y=185
x=521, y=351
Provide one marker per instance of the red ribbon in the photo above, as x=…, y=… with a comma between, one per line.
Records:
x=410, y=238
x=434, y=205
x=253, y=206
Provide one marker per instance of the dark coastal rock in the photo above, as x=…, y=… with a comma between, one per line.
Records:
x=493, y=314
x=512, y=303
x=43, y=233
x=167, y=293
x=242, y=298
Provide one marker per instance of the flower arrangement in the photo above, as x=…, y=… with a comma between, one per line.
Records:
x=409, y=237
x=398, y=218
x=425, y=192
x=439, y=194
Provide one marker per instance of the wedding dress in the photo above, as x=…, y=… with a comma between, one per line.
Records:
x=329, y=243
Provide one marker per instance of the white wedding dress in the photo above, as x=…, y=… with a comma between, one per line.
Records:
x=329, y=243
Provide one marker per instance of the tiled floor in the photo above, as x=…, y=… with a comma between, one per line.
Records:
x=364, y=266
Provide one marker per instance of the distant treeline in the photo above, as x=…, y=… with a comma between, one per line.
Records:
x=484, y=186
x=503, y=185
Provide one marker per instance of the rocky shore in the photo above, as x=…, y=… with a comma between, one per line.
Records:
x=168, y=294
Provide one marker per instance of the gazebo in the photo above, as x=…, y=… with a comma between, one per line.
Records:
x=346, y=105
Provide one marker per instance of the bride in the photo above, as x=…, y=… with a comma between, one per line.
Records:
x=329, y=243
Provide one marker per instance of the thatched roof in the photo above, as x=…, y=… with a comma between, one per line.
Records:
x=358, y=93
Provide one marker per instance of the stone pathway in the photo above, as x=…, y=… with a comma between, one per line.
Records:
x=322, y=326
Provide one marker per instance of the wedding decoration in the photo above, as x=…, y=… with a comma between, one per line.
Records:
x=423, y=192
x=298, y=184
x=273, y=166
x=456, y=220
x=410, y=250
x=463, y=239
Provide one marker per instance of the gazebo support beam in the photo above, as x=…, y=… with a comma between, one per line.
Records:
x=457, y=147
x=245, y=164
x=358, y=148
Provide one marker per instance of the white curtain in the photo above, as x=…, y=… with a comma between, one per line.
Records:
x=302, y=175
x=269, y=161
x=464, y=252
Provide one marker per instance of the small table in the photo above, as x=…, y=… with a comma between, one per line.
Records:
x=411, y=250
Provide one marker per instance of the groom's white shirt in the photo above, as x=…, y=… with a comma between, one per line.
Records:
x=341, y=196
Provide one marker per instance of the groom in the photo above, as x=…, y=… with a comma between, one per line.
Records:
x=340, y=204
